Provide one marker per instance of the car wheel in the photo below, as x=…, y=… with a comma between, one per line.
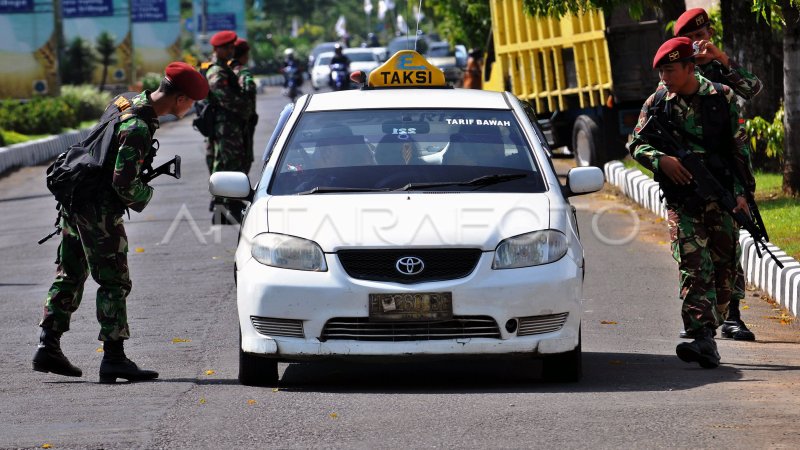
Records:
x=564, y=367
x=586, y=143
x=255, y=370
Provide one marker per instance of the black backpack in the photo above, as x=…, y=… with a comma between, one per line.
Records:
x=76, y=175
x=204, y=122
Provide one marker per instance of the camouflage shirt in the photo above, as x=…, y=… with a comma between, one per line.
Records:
x=743, y=83
x=135, y=137
x=687, y=116
x=247, y=83
x=225, y=93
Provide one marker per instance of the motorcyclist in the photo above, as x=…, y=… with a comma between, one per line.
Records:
x=339, y=62
x=291, y=67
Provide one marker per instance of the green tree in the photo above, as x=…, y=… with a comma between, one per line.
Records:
x=106, y=49
x=788, y=11
x=79, y=64
x=466, y=22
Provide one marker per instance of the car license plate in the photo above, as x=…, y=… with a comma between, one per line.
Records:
x=411, y=306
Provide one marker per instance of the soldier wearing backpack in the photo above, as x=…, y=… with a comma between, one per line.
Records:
x=93, y=239
x=716, y=66
x=706, y=117
x=247, y=83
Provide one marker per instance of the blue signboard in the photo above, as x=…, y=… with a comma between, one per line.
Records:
x=16, y=6
x=221, y=21
x=219, y=15
x=86, y=8
x=146, y=11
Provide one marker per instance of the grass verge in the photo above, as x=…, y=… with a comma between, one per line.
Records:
x=781, y=213
x=12, y=137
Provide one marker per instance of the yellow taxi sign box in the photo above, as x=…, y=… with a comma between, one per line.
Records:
x=407, y=68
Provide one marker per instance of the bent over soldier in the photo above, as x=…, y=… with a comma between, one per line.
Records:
x=706, y=117
x=716, y=66
x=93, y=239
x=225, y=149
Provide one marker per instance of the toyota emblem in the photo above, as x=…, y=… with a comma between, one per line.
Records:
x=409, y=265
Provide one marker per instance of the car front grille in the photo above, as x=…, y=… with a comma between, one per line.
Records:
x=270, y=326
x=381, y=265
x=361, y=329
x=531, y=325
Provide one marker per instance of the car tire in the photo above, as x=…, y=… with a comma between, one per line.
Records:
x=564, y=367
x=586, y=145
x=255, y=370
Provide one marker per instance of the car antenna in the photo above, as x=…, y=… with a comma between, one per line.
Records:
x=416, y=33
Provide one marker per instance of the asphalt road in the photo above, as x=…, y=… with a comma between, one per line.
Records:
x=635, y=392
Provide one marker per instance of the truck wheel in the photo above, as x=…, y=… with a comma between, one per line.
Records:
x=255, y=370
x=564, y=367
x=586, y=143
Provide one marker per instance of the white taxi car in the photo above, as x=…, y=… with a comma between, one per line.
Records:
x=408, y=219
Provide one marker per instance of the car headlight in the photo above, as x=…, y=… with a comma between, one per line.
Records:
x=530, y=249
x=288, y=252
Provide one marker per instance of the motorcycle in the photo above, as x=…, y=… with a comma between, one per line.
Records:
x=293, y=80
x=340, y=79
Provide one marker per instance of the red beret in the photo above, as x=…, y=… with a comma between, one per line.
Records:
x=187, y=80
x=674, y=50
x=692, y=20
x=223, y=38
x=241, y=45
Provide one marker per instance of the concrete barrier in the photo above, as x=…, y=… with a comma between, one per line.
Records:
x=783, y=285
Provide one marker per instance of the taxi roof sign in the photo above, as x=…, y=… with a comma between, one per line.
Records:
x=407, y=68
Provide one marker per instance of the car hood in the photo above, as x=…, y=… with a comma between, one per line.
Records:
x=337, y=221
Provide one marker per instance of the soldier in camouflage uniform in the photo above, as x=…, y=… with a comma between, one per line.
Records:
x=703, y=236
x=225, y=149
x=93, y=237
x=716, y=66
x=247, y=83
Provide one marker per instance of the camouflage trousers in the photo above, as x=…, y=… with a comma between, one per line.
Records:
x=704, y=244
x=93, y=242
x=228, y=149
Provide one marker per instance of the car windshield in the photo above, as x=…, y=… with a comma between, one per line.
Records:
x=393, y=150
x=325, y=59
x=361, y=56
x=440, y=50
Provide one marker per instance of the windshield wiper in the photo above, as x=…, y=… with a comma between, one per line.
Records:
x=327, y=189
x=485, y=180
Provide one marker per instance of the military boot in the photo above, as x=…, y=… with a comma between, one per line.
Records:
x=737, y=330
x=702, y=350
x=116, y=365
x=49, y=358
x=691, y=334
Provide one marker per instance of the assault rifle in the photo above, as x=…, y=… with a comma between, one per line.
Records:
x=706, y=186
x=171, y=168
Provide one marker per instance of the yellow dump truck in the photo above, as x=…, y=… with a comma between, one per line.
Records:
x=585, y=75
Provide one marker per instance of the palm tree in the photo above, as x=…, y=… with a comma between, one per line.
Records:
x=105, y=48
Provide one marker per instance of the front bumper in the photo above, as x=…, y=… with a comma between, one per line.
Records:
x=313, y=298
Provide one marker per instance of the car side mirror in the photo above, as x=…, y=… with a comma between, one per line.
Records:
x=230, y=185
x=584, y=180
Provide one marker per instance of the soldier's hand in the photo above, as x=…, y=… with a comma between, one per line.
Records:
x=674, y=170
x=708, y=52
x=741, y=205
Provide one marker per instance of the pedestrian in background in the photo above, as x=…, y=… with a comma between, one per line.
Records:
x=225, y=148
x=703, y=235
x=474, y=71
x=716, y=66
x=93, y=238
x=247, y=83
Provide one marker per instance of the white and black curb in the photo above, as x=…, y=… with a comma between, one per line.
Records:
x=781, y=284
x=36, y=152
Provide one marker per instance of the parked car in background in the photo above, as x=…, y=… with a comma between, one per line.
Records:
x=419, y=44
x=321, y=70
x=445, y=58
x=319, y=49
x=363, y=59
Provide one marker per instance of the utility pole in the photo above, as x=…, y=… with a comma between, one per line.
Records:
x=58, y=30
